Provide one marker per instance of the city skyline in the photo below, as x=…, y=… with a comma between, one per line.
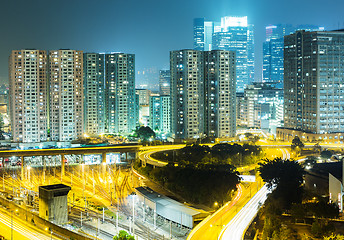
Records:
x=158, y=33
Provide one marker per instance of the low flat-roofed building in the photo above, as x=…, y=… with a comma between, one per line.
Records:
x=169, y=208
x=53, y=205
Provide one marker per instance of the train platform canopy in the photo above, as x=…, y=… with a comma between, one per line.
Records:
x=169, y=208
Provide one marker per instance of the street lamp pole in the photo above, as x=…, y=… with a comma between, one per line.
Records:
x=12, y=225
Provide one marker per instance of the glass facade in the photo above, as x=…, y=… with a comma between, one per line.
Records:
x=313, y=81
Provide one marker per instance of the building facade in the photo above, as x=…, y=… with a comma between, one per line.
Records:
x=220, y=94
x=237, y=35
x=273, y=50
x=94, y=92
x=262, y=107
x=202, y=93
x=28, y=95
x=121, y=110
x=164, y=82
x=313, y=77
x=160, y=115
x=203, y=34
x=66, y=95
x=187, y=93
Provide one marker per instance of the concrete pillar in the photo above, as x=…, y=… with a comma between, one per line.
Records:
x=22, y=167
x=104, y=157
x=62, y=165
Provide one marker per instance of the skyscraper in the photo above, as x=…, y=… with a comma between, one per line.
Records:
x=203, y=34
x=66, y=95
x=121, y=111
x=313, y=83
x=237, y=35
x=273, y=50
x=94, y=92
x=220, y=93
x=187, y=93
x=28, y=95
x=160, y=114
x=202, y=93
x=164, y=82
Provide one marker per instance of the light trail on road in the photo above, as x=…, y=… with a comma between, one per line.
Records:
x=235, y=229
x=20, y=230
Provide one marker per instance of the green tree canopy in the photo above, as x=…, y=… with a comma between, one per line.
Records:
x=326, y=154
x=286, y=176
x=123, y=235
x=145, y=133
x=296, y=143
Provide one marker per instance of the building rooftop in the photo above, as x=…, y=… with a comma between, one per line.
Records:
x=167, y=202
x=55, y=187
x=335, y=168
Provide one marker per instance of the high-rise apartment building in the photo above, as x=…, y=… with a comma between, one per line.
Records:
x=66, y=95
x=273, y=50
x=109, y=81
x=164, y=82
x=202, y=93
x=28, y=95
x=187, y=93
x=220, y=93
x=121, y=110
x=313, y=84
x=94, y=92
x=160, y=114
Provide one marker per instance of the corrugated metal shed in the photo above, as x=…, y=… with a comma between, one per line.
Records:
x=169, y=208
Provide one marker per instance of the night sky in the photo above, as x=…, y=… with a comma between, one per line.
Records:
x=149, y=29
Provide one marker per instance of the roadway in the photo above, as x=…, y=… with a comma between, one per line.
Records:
x=213, y=226
x=21, y=231
x=237, y=227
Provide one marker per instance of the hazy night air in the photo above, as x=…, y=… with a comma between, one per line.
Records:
x=149, y=29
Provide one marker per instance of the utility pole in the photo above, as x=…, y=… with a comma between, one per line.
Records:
x=154, y=220
x=103, y=214
x=133, y=214
x=117, y=221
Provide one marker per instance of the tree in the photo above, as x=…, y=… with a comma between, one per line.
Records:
x=297, y=143
x=298, y=211
x=145, y=133
x=286, y=176
x=326, y=154
x=123, y=235
x=334, y=237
